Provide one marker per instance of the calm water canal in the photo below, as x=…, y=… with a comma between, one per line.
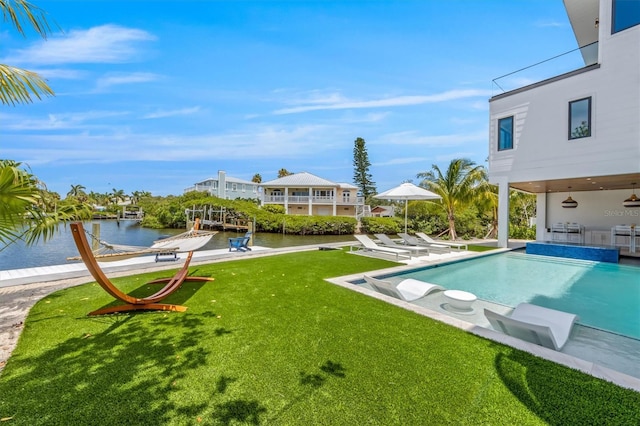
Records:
x=61, y=246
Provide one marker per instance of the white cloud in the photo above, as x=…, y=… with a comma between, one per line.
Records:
x=342, y=103
x=102, y=44
x=61, y=121
x=172, y=113
x=119, y=79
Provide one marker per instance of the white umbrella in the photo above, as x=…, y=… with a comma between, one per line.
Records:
x=407, y=191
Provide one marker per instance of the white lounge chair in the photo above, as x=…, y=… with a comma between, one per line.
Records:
x=535, y=324
x=416, y=250
x=413, y=241
x=407, y=290
x=367, y=244
x=430, y=240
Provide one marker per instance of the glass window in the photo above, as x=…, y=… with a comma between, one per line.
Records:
x=505, y=133
x=626, y=14
x=580, y=118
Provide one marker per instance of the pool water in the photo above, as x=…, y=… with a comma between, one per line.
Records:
x=604, y=295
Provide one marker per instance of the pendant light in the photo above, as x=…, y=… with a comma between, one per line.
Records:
x=569, y=203
x=632, y=201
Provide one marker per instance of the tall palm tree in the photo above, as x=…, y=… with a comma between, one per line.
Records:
x=23, y=200
x=457, y=187
x=17, y=85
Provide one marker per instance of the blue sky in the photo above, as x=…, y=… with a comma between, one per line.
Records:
x=158, y=95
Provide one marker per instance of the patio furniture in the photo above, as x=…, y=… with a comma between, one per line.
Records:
x=460, y=300
x=388, y=242
x=624, y=236
x=451, y=244
x=368, y=245
x=133, y=303
x=240, y=243
x=413, y=241
x=408, y=290
x=543, y=326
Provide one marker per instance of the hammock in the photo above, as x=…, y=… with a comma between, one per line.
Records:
x=185, y=242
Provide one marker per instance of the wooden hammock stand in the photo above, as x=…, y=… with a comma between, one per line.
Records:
x=131, y=303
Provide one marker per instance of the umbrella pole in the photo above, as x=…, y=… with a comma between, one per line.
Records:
x=406, y=207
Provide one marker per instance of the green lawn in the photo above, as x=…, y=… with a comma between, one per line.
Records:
x=270, y=342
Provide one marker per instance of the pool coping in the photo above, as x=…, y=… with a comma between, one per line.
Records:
x=589, y=367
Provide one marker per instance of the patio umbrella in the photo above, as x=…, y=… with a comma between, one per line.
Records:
x=407, y=191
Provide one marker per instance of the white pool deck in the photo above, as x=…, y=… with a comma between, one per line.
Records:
x=605, y=355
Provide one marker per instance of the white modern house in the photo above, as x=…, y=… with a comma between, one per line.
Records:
x=575, y=136
x=307, y=194
x=226, y=187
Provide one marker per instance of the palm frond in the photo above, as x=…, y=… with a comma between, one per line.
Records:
x=18, y=86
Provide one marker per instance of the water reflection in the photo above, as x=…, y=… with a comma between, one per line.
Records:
x=61, y=246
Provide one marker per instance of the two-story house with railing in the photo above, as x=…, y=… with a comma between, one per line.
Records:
x=307, y=194
x=227, y=187
x=573, y=137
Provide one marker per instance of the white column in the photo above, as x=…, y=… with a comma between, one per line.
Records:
x=335, y=200
x=286, y=200
x=541, y=216
x=310, y=212
x=503, y=213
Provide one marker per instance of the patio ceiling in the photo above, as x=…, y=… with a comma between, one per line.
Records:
x=587, y=183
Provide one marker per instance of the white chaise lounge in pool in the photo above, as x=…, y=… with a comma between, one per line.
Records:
x=535, y=324
x=407, y=290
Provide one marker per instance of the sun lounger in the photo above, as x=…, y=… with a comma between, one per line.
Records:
x=367, y=244
x=535, y=324
x=416, y=250
x=430, y=240
x=407, y=290
x=413, y=241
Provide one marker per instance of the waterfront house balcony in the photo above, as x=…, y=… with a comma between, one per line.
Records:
x=304, y=199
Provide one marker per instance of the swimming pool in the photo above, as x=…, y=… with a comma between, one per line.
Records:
x=604, y=295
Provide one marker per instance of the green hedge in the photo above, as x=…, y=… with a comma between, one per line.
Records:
x=381, y=225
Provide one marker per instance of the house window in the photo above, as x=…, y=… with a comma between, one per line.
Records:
x=234, y=186
x=626, y=14
x=505, y=133
x=580, y=118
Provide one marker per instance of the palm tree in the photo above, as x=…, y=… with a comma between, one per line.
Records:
x=17, y=85
x=257, y=178
x=77, y=192
x=24, y=211
x=458, y=186
x=117, y=195
x=284, y=172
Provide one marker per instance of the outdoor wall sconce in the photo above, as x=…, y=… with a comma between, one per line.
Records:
x=569, y=203
x=632, y=201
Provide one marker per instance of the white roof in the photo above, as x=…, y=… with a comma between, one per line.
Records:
x=301, y=179
x=227, y=179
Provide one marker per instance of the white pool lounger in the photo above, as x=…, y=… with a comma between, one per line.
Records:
x=407, y=290
x=535, y=324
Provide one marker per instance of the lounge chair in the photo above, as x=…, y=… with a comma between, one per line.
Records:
x=430, y=240
x=388, y=242
x=535, y=324
x=407, y=290
x=413, y=241
x=240, y=243
x=367, y=244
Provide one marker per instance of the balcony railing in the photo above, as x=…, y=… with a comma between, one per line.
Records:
x=304, y=199
x=561, y=64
